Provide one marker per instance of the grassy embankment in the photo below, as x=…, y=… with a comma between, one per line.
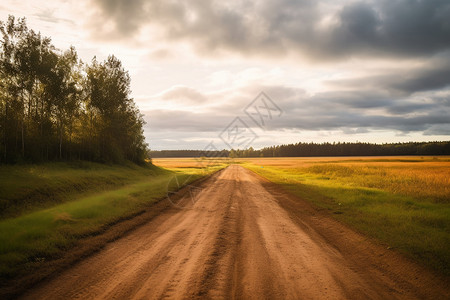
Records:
x=402, y=201
x=46, y=209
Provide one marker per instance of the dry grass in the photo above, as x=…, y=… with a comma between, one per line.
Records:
x=402, y=201
x=426, y=177
x=188, y=162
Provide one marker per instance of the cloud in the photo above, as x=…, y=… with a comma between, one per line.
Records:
x=349, y=111
x=184, y=95
x=439, y=129
x=317, y=29
x=373, y=64
x=429, y=79
x=118, y=18
x=432, y=74
x=48, y=15
x=327, y=116
x=160, y=54
x=183, y=121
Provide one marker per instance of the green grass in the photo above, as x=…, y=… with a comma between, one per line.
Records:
x=90, y=197
x=24, y=188
x=398, y=210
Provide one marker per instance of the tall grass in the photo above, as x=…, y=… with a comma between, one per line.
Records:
x=430, y=181
x=405, y=203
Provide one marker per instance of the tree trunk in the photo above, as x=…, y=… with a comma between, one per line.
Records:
x=60, y=141
x=5, y=131
x=23, y=141
x=60, y=146
x=23, y=121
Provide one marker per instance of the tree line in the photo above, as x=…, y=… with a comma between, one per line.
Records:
x=323, y=149
x=188, y=153
x=53, y=106
x=347, y=149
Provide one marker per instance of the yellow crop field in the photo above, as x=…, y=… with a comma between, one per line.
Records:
x=403, y=202
x=427, y=177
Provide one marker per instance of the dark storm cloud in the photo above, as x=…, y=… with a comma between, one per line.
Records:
x=440, y=129
x=434, y=75
x=410, y=107
x=392, y=28
x=361, y=99
x=298, y=119
x=404, y=27
x=423, y=81
x=342, y=119
x=127, y=16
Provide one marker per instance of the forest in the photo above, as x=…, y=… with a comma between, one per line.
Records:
x=315, y=149
x=349, y=149
x=54, y=106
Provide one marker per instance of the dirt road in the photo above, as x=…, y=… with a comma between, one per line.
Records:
x=244, y=239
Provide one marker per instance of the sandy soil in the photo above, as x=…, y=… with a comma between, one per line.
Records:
x=243, y=238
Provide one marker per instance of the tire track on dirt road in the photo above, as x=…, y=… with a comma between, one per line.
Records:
x=243, y=239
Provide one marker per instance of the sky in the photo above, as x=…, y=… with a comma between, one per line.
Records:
x=233, y=74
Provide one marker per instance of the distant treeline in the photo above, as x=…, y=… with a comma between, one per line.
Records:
x=54, y=106
x=324, y=149
x=349, y=149
x=188, y=153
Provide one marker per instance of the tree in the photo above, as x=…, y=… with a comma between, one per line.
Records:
x=63, y=89
x=118, y=121
x=12, y=101
x=52, y=104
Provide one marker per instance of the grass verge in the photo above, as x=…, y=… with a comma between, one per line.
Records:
x=36, y=236
x=404, y=204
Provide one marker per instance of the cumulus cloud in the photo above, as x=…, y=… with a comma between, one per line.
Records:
x=317, y=29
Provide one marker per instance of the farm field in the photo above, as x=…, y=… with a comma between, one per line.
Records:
x=256, y=227
x=242, y=236
x=404, y=202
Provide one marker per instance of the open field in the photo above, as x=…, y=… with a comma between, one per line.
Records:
x=404, y=202
x=48, y=208
x=244, y=238
x=187, y=163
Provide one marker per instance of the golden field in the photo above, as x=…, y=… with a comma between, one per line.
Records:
x=402, y=202
x=427, y=177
